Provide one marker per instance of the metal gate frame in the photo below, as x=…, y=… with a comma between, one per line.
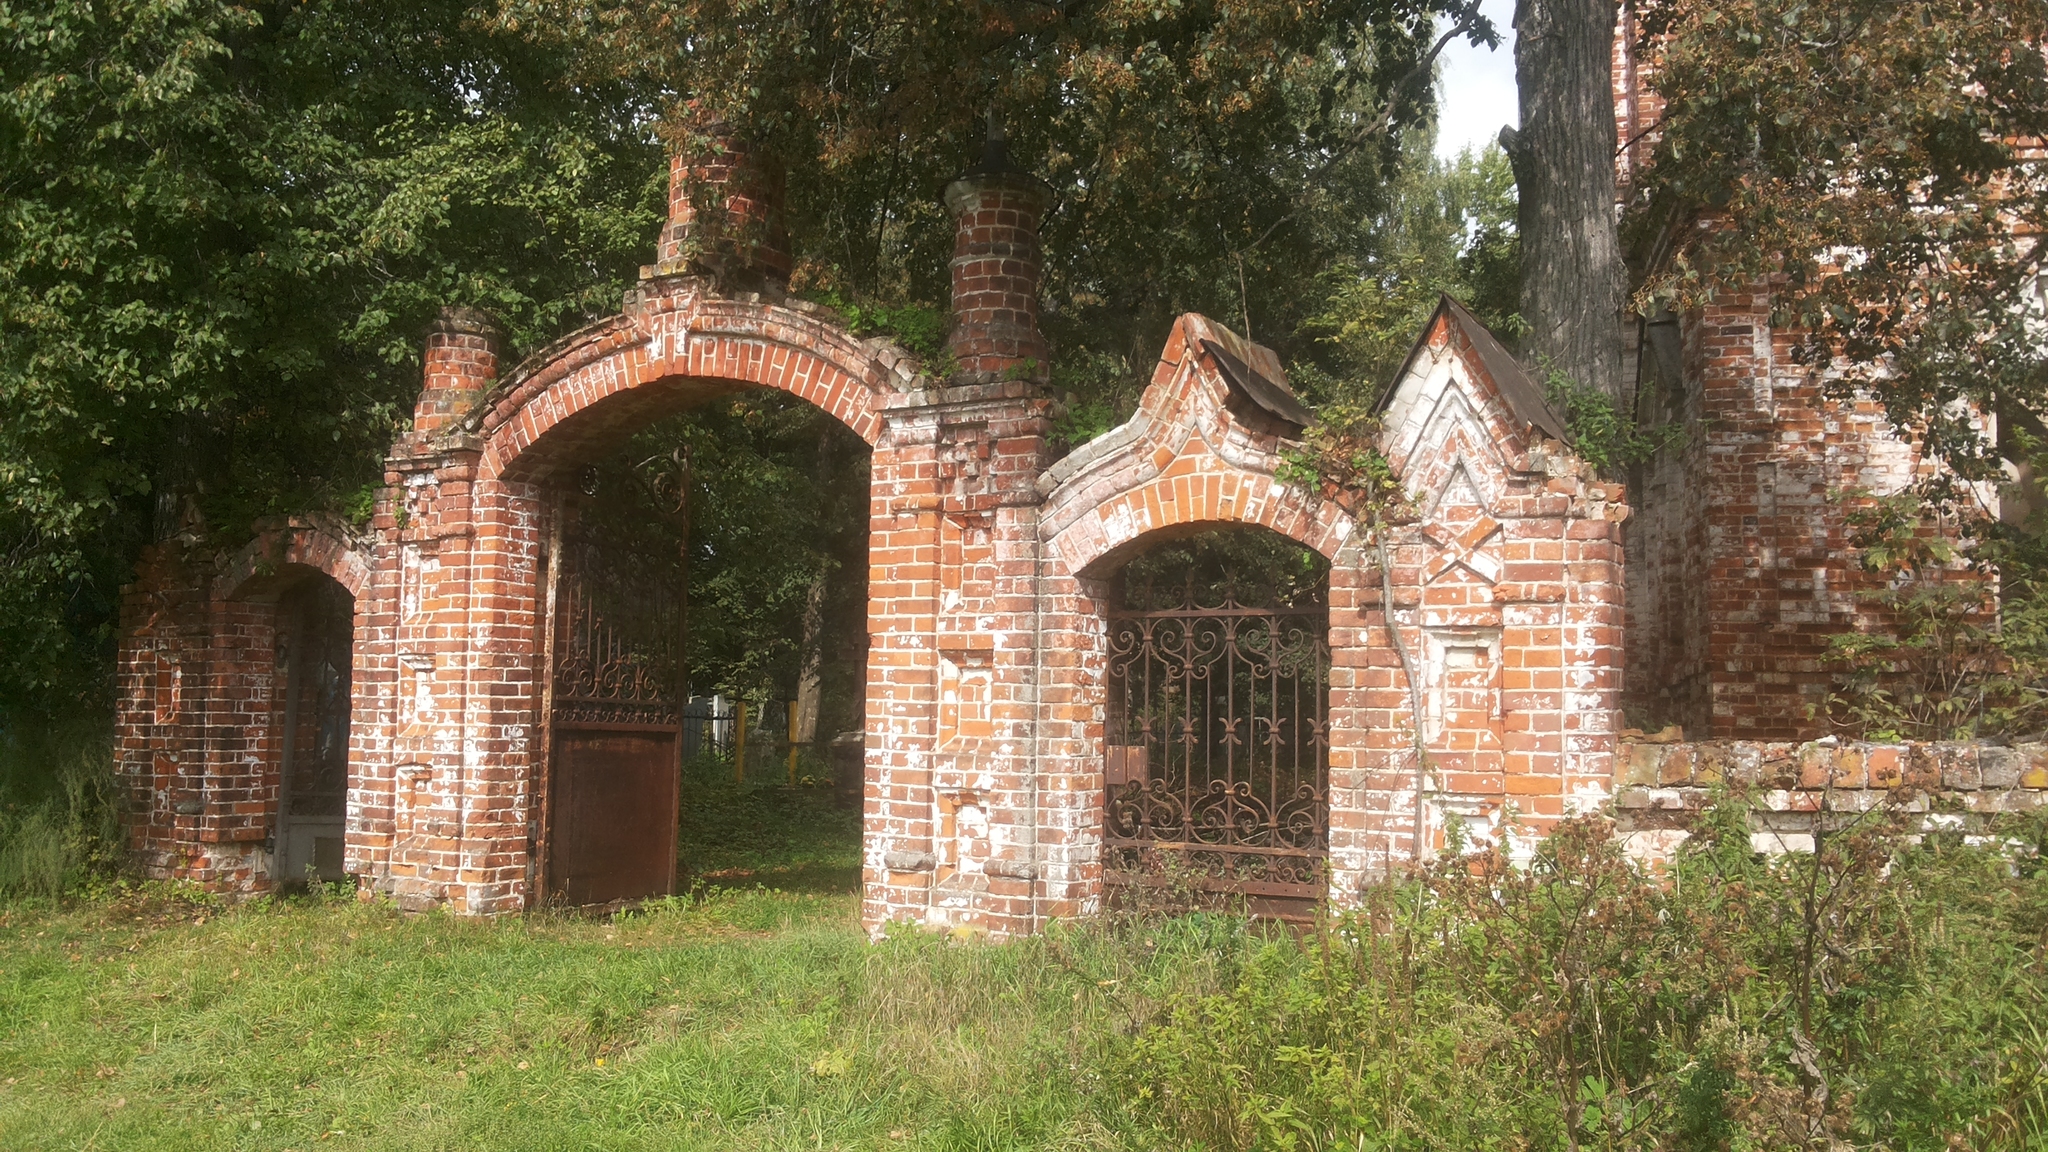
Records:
x=1217, y=757
x=608, y=685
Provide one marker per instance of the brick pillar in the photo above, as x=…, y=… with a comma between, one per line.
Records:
x=159, y=720
x=996, y=265
x=725, y=215
x=953, y=812
x=439, y=741
x=196, y=724
x=461, y=362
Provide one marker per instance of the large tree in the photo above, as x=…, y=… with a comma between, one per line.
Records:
x=224, y=226
x=1574, y=283
x=222, y=230
x=1215, y=155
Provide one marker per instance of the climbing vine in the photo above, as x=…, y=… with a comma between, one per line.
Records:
x=1340, y=459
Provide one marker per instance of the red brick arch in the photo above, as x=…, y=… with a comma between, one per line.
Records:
x=1187, y=497
x=265, y=564
x=620, y=374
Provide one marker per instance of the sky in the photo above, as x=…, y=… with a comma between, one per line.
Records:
x=1476, y=88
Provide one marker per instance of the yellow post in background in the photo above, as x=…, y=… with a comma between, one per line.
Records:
x=792, y=743
x=739, y=748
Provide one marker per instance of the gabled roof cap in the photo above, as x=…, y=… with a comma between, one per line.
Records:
x=1524, y=397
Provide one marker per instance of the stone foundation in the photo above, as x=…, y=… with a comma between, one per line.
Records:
x=1793, y=789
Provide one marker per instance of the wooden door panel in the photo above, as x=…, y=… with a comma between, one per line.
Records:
x=613, y=815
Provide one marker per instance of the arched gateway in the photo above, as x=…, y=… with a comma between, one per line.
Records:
x=990, y=576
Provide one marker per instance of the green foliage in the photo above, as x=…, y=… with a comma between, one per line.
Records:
x=1884, y=991
x=1340, y=458
x=1880, y=992
x=1943, y=652
x=58, y=827
x=1602, y=434
x=919, y=329
x=1446, y=227
x=730, y=1018
x=1246, y=564
x=1877, y=163
x=1100, y=390
x=223, y=229
x=761, y=828
x=1206, y=155
x=777, y=499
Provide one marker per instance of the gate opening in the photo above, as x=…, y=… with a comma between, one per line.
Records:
x=315, y=634
x=1216, y=759
x=706, y=629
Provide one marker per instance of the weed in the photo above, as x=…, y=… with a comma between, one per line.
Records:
x=58, y=826
x=1603, y=434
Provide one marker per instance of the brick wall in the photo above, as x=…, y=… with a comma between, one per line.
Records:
x=1740, y=564
x=987, y=587
x=1795, y=788
x=1506, y=587
x=199, y=729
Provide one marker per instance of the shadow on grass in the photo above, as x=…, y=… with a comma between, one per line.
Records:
x=764, y=833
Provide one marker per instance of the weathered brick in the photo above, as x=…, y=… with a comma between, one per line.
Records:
x=987, y=668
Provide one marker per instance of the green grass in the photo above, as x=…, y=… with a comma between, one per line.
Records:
x=752, y=1013
x=738, y=1019
x=764, y=831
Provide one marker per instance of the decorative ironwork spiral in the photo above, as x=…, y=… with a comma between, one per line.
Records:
x=1220, y=718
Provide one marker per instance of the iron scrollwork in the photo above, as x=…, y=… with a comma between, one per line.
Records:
x=1219, y=747
x=615, y=660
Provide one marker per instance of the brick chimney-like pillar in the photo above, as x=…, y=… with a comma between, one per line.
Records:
x=724, y=215
x=461, y=362
x=996, y=265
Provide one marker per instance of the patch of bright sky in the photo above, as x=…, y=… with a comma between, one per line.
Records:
x=1476, y=87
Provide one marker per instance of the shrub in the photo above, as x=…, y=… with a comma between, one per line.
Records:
x=1949, y=652
x=1882, y=991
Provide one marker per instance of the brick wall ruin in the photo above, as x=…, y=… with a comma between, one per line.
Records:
x=989, y=569
x=1475, y=638
x=1792, y=790
x=1740, y=562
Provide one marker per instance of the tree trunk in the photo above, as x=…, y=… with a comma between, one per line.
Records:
x=1574, y=284
x=810, y=674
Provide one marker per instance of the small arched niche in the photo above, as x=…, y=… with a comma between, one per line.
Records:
x=315, y=633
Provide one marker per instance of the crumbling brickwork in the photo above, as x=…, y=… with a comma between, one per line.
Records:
x=1794, y=789
x=199, y=732
x=1740, y=561
x=989, y=565
x=1506, y=583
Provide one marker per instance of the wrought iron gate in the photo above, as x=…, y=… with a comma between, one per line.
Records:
x=615, y=731
x=1218, y=752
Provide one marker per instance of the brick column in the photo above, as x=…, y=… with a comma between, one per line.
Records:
x=461, y=362
x=955, y=787
x=996, y=266
x=902, y=680
x=725, y=214
x=439, y=759
x=159, y=724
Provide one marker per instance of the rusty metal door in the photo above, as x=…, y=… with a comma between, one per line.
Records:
x=1217, y=764
x=615, y=733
